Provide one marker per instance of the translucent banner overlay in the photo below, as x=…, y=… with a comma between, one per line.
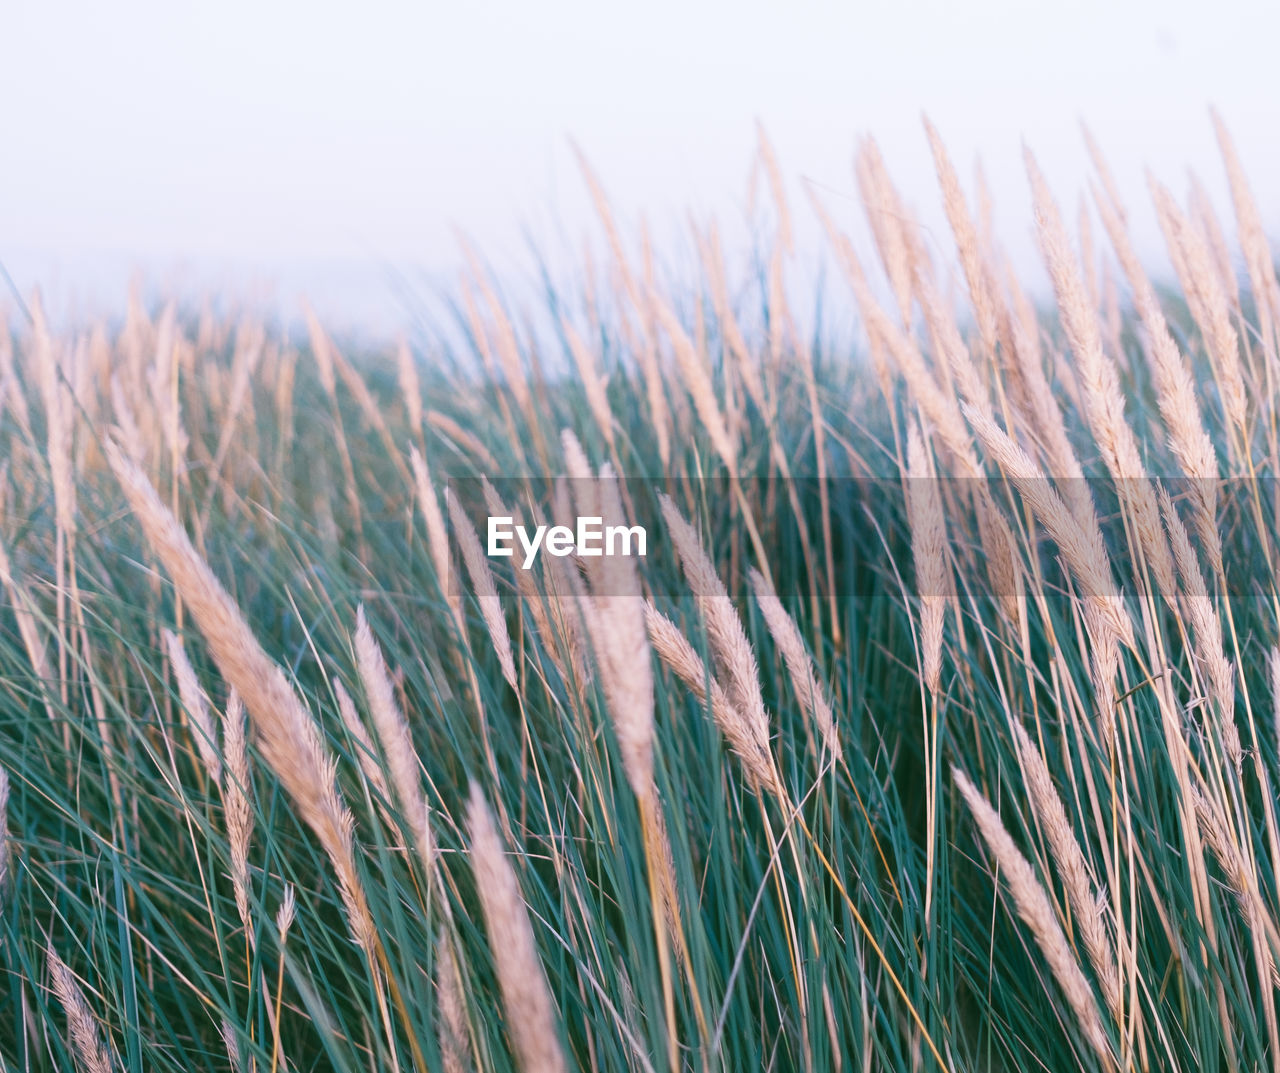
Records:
x=852, y=537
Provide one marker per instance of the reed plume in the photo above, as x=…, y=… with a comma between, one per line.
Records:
x=393, y=733
x=734, y=658
x=1036, y=911
x=815, y=700
x=530, y=1015
x=928, y=552
x=1089, y=908
x=748, y=740
x=196, y=705
x=91, y=1054
x=288, y=737
x=454, y=1038
x=236, y=802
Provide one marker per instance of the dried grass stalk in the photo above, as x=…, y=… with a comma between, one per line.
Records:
x=196, y=705
x=4, y=830
x=815, y=700
x=473, y=557
x=734, y=658
x=526, y=999
x=288, y=737
x=747, y=740
x=455, y=1040
x=1090, y=909
x=91, y=1054
x=236, y=803
x=1036, y=911
x=393, y=732
x=928, y=552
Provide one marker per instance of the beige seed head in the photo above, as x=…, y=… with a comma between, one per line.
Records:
x=815, y=700
x=747, y=740
x=91, y=1054
x=1090, y=909
x=697, y=381
x=397, y=741
x=288, y=737
x=437, y=533
x=286, y=913
x=928, y=551
x=196, y=704
x=526, y=999
x=455, y=1040
x=1036, y=911
x=734, y=658
x=236, y=803
x=407, y=370
x=389, y=722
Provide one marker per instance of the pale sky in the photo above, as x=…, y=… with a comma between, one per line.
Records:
x=311, y=144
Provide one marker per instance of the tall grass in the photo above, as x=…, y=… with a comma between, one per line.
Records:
x=939, y=728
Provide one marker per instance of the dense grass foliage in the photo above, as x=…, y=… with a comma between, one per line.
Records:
x=936, y=730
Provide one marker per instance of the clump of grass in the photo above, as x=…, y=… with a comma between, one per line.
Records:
x=299, y=777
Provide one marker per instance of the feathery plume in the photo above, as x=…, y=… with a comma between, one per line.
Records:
x=526, y=999
x=1176, y=392
x=749, y=741
x=1104, y=401
x=622, y=646
x=407, y=371
x=1089, y=909
x=235, y=802
x=196, y=705
x=393, y=730
x=288, y=737
x=1083, y=548
x=91, y=1054
x=1207, y=301
x=231, y=1041
x=286, y=913
x=928, y=551
x=455, y=1041
x=437, y=532
x=698, y=383
x=976, y=271
x=593, y=382
x=734, y=658
x=1206, y=630
x=1253, y=239
x=815, y=701
x=1036, y=911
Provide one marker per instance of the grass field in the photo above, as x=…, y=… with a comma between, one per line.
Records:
x=937, y=729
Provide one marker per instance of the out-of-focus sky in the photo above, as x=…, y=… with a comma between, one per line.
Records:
x=271, y=148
